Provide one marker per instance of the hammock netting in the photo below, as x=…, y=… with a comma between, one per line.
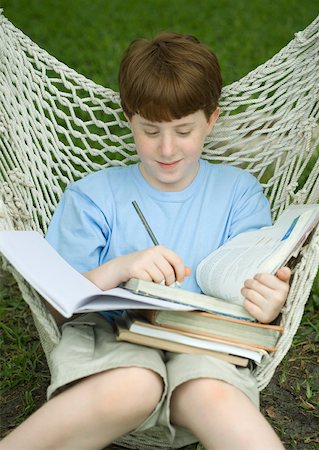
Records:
x=56, y=126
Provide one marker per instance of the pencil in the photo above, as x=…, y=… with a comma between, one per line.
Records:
x=148, y=228
x=144, y=222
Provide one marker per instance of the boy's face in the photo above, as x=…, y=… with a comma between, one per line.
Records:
x=169, y=151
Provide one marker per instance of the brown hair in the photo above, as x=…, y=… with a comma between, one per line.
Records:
x=168, y=78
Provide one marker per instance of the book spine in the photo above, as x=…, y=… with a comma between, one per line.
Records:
x=245, y=323
x=158, y=319
x=216, y=338
x=149, y=314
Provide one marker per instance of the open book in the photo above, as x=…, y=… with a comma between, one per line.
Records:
x=70, y=292
x=223, y=272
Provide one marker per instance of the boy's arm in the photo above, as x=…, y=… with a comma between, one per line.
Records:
x=265, y=294
x=158, y=264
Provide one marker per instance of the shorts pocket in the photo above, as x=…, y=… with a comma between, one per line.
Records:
x=77, y=342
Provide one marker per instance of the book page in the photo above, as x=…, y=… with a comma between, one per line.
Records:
x=61, y=285
x=46, y=270
x=223, y=272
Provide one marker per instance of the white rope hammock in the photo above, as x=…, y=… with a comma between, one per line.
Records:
x=56, y=126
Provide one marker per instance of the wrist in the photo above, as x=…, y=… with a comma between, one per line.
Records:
x=107, y=276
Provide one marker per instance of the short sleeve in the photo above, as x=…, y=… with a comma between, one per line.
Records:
x=251, y=209
x=79, y=231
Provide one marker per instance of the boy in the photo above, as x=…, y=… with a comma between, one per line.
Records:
x=102, y=389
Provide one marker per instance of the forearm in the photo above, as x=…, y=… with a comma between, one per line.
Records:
x=107, y=276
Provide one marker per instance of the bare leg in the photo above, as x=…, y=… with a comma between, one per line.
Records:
x=91, y=414
x=221, y=416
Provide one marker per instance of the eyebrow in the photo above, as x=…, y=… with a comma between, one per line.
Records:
x=186, y=124
x=151, y=124
x=148, y=124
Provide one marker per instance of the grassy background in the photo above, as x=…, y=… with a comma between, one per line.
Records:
x=90, y=37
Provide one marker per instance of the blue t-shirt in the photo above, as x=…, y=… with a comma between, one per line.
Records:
x=95, y=220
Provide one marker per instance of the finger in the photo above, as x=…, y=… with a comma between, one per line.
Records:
x=166, y=270
x=259, y=306
x=254, y=310
x=169, y=273
x=262, y=315
x=269, y=281
x=255, y=286
x=284, y=274
x=176, y=263
x=143, y=275
x=255, y=297
x=278, y=288
x=151, y=268
x=274, y=292
x=158, y=265
x=269, y=300
x=161, y=271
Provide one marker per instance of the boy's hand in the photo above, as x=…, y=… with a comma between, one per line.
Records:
x=265, y=294
x=158, y=264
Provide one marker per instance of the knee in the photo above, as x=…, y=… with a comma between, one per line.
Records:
x=145, y=389
x=133, y=391
x=209, y=389
x=204, y=394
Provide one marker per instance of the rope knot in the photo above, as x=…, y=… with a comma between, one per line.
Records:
x=15, y=207
x=307, y=125
x=291, y=187
x=300, y=37
x=3, y=127
x=16, y=176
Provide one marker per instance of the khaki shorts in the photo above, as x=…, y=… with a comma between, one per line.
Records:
x=88, y=346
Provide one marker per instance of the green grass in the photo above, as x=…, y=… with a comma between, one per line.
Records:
x=90, y=35
x=23, y=369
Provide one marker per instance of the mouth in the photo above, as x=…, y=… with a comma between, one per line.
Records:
x=168, y=165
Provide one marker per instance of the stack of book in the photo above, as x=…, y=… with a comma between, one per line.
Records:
x=228, y=332
x=218, y=324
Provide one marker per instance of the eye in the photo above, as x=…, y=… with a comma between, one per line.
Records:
x=151, y=133
x=184, y=133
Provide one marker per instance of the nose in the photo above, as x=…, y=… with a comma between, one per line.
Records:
x=167, y=145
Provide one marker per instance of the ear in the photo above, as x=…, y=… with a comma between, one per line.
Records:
x=127, y=118
x=214, y=116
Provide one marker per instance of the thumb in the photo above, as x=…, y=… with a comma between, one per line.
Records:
x=284, y=274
